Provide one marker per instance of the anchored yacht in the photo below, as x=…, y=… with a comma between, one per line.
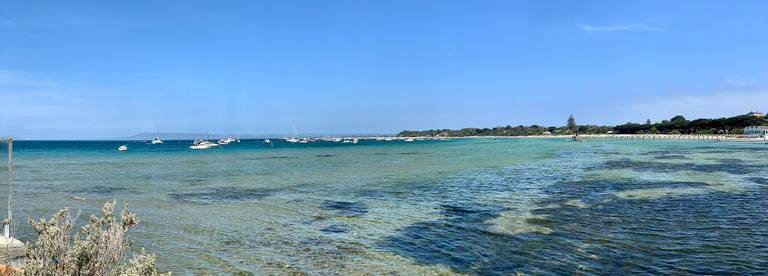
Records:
x=293, y=139
x=202, y=144
x=227, y=140
x=157, y=140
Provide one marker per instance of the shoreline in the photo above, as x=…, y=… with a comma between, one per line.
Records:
x=612, y=137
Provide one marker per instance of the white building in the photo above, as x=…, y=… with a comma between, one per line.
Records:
x=756, y=131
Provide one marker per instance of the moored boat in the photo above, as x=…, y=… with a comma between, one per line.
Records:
x=293, y=139
x=226, y=141
x=202, y=144
x=157, y=140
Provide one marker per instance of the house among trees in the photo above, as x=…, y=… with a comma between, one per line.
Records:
x=756, y=131
x=757, y=114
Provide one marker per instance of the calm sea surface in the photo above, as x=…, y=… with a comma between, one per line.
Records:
x=474, y=206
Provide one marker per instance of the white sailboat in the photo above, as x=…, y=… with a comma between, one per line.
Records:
x=293, y=139
x=122, y=148
x=157, y=140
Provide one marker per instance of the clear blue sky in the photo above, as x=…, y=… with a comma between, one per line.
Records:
x=72, y=69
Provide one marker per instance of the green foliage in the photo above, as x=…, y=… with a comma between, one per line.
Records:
x=506, y=131
x=679, y=124
x=97, y=249
x=571, y=125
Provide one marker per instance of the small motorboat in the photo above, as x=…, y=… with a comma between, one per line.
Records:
x=122, y=148
x=267, y=141
x=226, y=141
x=203, y=144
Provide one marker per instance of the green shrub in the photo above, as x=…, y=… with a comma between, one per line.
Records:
x=99, y=248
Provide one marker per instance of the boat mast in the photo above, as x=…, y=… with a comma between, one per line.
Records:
x=7, y=224
x=294, y=131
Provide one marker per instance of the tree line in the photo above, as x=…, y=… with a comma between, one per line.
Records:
x=680, y=125
x=676, y=125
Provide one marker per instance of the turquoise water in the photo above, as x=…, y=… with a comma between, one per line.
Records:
x=476, y=206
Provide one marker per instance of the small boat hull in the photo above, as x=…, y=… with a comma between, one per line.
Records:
x=203, y=146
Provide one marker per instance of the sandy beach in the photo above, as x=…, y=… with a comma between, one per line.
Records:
x=695, y=137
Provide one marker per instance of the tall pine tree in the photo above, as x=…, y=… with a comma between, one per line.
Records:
x=571, y=123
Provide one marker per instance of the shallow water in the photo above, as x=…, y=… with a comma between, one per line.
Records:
x=478, y=206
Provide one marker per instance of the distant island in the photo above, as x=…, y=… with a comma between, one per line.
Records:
x=676, y=125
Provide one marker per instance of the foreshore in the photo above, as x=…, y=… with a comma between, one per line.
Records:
x=609, y=137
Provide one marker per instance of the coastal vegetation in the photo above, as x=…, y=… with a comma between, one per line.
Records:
x=570, y=128
x=99, y=248
x=676, y=125
x=680, y=125
x=571, y=125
